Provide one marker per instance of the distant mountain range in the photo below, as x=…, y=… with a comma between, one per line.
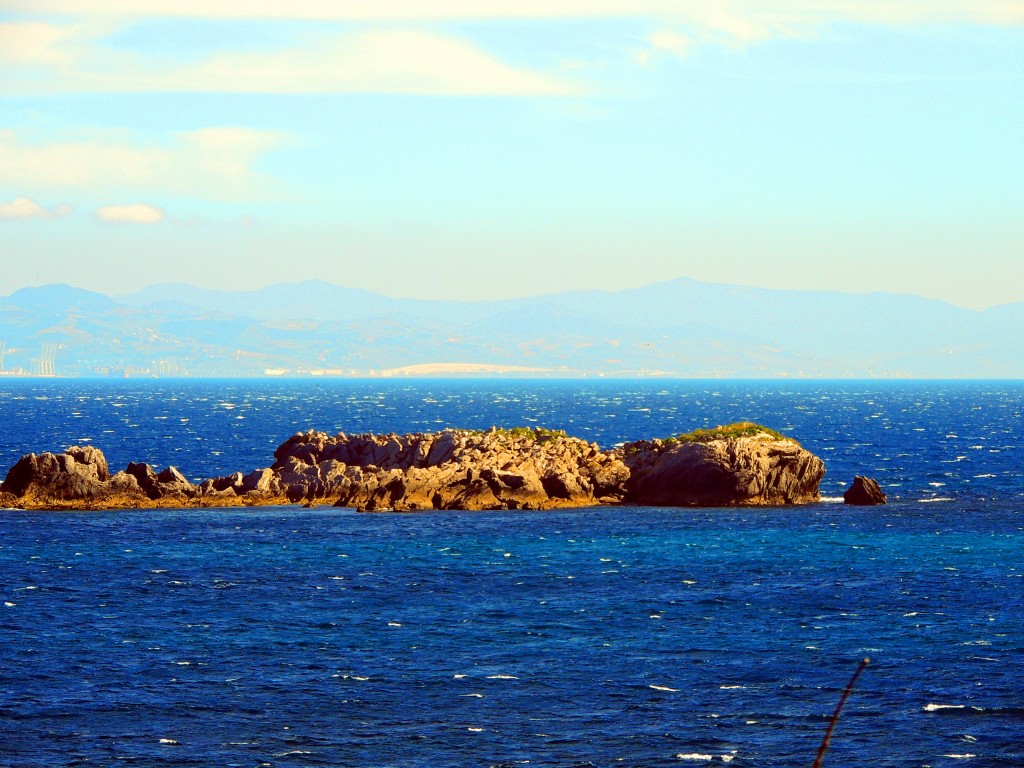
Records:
x=678, y=328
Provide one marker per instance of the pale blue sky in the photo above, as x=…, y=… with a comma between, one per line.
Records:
x=461, y=149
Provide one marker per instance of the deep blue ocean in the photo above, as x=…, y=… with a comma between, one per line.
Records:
x=597, y=637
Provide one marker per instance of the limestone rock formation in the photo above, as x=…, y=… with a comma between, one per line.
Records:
x=864, y=492
x=158, y=485
x=732, y=466
x=453, y=469
x=78, y=477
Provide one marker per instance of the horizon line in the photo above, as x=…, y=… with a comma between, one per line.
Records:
x=525, y=297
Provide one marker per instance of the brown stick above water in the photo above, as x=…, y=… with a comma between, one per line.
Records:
x=835, y=715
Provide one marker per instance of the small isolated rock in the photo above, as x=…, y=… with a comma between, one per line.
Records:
x=864, y=492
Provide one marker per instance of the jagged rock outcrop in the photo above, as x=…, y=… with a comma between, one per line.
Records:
x=78, y=477
x=722, y=467
x=158, y=485
x=453, y=469
x=864, y=492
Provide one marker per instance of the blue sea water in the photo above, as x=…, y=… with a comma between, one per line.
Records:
x=605, y=637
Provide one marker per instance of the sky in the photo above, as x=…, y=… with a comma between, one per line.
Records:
x=483, y=149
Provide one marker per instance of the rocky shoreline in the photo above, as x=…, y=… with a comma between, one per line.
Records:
x=738, y=465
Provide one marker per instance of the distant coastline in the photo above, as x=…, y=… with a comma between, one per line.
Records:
x=678, y=329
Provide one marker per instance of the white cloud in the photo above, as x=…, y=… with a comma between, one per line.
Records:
x=671, y=42
x=405, y=61
x=27, y=208
x=35, y=43
x=211, y=163
x=135, y=213
x=761, y=11
x=380, y=61
x=71, y=57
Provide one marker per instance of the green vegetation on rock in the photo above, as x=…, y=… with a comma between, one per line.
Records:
x=727, y=432
x=532, y=433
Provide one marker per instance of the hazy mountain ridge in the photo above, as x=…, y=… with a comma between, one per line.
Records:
x=681, y=327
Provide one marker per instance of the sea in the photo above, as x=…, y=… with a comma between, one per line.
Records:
x=614, y=636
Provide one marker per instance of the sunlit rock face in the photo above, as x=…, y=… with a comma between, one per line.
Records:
x=759, y=469
x=453, y=469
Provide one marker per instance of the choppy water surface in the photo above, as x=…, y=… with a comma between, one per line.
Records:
x=635, y=637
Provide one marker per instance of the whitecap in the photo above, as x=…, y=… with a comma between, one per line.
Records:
x=730, y=687
x=502, y=677
x=663, y=688
x=694, y=756
x=935, y=499
x=9, y=604
x=394, y=624
x=169, y=742
x=965, y=756
x=940, y=707
x=472, y=695
x=471, y=729
x=832, y=499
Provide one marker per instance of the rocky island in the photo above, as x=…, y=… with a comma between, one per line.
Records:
x=522, y=468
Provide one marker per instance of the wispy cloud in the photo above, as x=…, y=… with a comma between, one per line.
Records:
x=212, y=163
x=134, y=213
x=398, y=47
x=33, y=42
x=27, y=208
x=873, y=11
x=406, y=61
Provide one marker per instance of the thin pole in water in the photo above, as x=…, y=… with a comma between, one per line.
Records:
x=835, y=715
